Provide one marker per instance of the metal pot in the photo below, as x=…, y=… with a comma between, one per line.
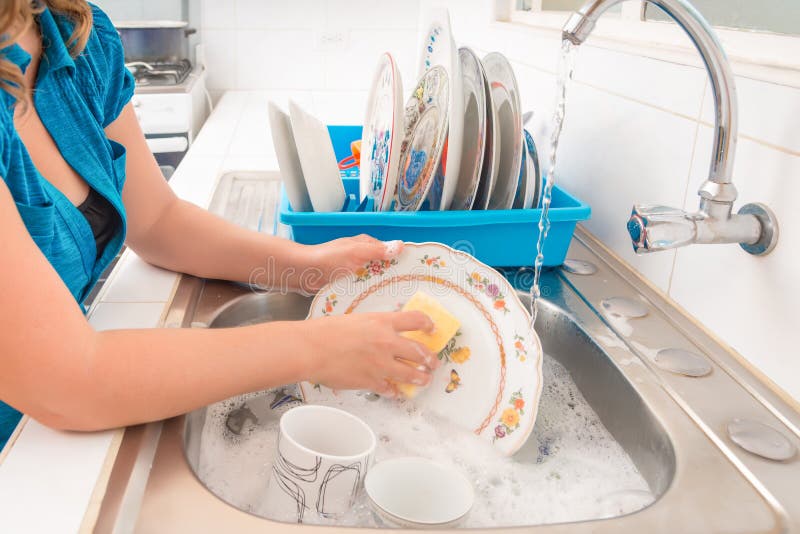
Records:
x=156, y=40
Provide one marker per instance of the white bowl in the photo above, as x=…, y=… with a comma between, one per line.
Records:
x=419, y=493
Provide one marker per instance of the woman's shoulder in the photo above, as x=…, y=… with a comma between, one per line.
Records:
x=104, y=28
x=104, y=47
x=105, y=57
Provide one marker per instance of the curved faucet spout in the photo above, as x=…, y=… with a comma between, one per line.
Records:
x=717, y=193
x=581, y=24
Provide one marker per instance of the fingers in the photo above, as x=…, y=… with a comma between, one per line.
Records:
x=416, y=354
x=411, y=320
x=407, y=374
x=392, y=249
x=386, y=389
x=381, y=250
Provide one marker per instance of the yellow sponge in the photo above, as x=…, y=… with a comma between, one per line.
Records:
x=445, y=327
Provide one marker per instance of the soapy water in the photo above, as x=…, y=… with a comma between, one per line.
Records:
x=566, y=66
x=571, y=468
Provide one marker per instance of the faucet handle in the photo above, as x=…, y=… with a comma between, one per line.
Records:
x=653, y=227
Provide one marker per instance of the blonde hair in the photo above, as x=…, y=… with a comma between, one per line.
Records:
x=16, y=16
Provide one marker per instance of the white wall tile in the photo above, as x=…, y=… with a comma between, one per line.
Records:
x=340, y=107
x=749, y=301
x=280, y=14
x=218, y=15
x=672, y=87
x=537, y=94
x=278, y=59
x=221, y=59
x=372, y=14
x=252, y=136
x=767, y=111
x=353, y=71
x=614, y=153
x=536, y=49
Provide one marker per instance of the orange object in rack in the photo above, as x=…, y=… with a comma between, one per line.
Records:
x=354, y=160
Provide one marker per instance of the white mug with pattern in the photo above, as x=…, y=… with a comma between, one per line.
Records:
x=322, y=458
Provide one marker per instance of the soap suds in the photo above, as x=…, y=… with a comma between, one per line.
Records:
x=571, y=468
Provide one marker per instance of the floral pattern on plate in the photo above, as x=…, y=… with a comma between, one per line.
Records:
x=432, y=261
x=373, y=268
x=330, y=303
x=383, y=131
x=510, y=418
x=454, y=352
x=520, y=348
x=492, y=290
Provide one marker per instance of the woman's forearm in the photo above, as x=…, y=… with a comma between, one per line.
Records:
x=133, y=376
x=189, y=239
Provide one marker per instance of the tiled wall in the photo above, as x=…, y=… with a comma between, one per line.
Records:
x=321, y=52
x=637, y=129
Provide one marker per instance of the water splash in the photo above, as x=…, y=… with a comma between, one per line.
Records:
x=566, y=66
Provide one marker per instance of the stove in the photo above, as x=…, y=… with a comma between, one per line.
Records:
x=171, y=103
x=160, y=74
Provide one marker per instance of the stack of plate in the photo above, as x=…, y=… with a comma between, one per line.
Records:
x=457, y=144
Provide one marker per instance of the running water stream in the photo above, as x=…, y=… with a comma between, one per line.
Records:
x=566, y=65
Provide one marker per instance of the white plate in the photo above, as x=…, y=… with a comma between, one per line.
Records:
x=383, y=135
x=474, y=141
x=525, y=184
x=426, y=117
x=288, y=160
x=491, y=377
x=534, y=170
x=417, y=492
x=318, y=160
x=439, y=48
x=491, y=153
x=505, y=97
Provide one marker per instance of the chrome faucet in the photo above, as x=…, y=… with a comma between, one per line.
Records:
x=653, y=227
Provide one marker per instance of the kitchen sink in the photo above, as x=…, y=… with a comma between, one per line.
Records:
x=672, y=426
x=239, y=479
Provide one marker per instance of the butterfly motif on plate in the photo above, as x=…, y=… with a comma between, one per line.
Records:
x=455, y=382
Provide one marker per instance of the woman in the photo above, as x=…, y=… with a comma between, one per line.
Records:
x=77, y=182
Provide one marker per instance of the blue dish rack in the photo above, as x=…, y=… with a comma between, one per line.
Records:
x=499, y=238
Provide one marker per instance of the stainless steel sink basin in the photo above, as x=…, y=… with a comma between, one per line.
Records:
x=613, y=397
x=673, y=427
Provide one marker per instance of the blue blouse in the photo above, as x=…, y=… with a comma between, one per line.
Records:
x=76, y=98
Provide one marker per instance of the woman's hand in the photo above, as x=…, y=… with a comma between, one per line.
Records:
x=321, y=264
x=366, y=351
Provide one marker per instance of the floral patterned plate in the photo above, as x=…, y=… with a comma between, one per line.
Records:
x=439, y=48
x=491, y=377
x=424, y=142
x=383, y=133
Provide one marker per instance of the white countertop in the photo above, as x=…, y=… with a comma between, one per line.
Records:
x=53, y=482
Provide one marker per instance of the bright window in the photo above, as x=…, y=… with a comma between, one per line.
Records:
x=775, y=16
x=761, y=37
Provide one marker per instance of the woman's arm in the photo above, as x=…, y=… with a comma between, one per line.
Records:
x=57, y=369
x=180, y=236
